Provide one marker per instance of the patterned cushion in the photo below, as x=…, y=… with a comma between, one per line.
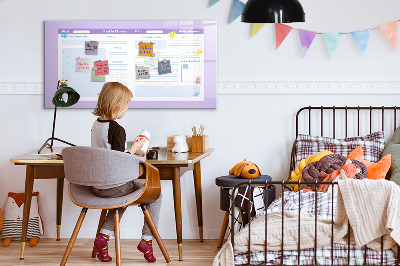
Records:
x=372, y=144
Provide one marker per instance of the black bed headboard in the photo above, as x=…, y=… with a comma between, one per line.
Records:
x=344, y=121
x=346, y=112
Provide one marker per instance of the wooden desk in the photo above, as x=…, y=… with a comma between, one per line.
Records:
x=171, y=167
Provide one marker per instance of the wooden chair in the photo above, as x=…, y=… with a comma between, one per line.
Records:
x=85, y=167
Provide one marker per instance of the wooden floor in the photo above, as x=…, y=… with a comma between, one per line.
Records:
x=50, y=252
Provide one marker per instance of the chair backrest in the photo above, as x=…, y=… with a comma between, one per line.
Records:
x=92, y=166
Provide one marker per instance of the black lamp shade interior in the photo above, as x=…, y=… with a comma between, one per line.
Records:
x=273, y=11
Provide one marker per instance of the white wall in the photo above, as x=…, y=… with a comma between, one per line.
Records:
x=257, y=127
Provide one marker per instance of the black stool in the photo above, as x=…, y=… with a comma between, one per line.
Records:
x=226, y=183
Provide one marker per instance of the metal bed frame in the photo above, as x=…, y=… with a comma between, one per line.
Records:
x=283, y=184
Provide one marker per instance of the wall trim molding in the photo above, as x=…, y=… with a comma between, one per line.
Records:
x=259, y=87
x=22, y=88
x=310, y=87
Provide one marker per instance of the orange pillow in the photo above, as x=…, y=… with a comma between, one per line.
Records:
x=375, y=170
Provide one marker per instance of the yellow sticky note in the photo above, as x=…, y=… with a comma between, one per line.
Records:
x=199, y=52
x=146, y=49
x=172, y=35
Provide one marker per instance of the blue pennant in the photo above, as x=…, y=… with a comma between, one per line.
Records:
x=361, y=38
x=237, y=9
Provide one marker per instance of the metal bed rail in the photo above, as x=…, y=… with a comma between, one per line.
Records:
x=346, y=123
x=265, y=185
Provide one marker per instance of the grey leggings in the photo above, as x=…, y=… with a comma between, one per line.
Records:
x=154, y=208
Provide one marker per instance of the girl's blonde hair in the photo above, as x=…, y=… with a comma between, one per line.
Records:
x=113, y=97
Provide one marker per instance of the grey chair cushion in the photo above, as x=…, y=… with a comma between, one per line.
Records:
x=83, y=196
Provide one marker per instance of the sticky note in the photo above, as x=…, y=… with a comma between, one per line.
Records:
x=164, y=67
x=95, y=78
x=151, y=62
x=199, y=52
x=172, y=35
x=146, y=48
x=82, y=64
x=142, y=72
x=91, y=48
x=101, y=67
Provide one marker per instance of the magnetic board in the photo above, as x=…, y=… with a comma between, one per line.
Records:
x=166, y=64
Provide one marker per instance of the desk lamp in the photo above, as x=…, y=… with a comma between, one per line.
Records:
x=64, y=97
x=273, y=11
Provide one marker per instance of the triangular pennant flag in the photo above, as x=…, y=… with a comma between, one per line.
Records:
x=390, y=32
x=255, y=28
x=306, y=39
x=213, y=2
x=237, y=9
x=281, y=31
x=361, y=37
x=332, y=41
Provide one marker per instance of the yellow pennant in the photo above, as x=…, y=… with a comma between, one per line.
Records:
x=256, y=28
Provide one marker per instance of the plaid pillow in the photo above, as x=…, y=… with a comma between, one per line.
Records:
x=372, y=145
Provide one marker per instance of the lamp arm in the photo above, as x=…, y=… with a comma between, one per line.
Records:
x=46, y=143
x=54, y=126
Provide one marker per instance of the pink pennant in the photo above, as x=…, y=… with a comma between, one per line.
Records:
x=281, y=31
x=389, y=30
x=306, y=39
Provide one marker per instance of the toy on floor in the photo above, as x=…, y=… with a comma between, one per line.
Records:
x=13, y=215
x=1, y=219
x=180, y=144
x=245, y=169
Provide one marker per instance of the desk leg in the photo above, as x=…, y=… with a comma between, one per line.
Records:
x=199, y=204
x=176, y=183
x=60, y=190
x=27, y=206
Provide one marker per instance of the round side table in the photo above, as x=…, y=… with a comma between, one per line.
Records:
x=228, y=182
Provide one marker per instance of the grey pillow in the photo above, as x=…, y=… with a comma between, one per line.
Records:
x=393, y=148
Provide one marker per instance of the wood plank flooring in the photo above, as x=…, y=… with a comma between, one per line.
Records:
x=50, y=252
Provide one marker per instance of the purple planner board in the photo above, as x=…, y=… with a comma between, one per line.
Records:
x=119, y=49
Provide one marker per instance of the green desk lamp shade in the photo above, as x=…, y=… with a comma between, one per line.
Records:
x=272, y=11
x=64, y=97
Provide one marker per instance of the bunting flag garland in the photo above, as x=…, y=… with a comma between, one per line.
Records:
x=237, y=9
x=332, y=41
x=389, y=30
x=213, y=2
x=361, y=38
x=281, y=31
x=306, y=39
x=256, y=28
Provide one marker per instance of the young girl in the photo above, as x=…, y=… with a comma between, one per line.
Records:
x=112, y=104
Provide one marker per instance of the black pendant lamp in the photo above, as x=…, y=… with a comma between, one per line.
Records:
x=273, y=11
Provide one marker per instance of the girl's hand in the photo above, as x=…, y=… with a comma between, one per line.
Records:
x=137, y=144
x=142, y=155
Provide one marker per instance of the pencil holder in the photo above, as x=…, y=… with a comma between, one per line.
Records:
x=200, y=143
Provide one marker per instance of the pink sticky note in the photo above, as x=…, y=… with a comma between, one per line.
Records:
x=101, y=68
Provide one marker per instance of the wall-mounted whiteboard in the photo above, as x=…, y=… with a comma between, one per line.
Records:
x=166, y=64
